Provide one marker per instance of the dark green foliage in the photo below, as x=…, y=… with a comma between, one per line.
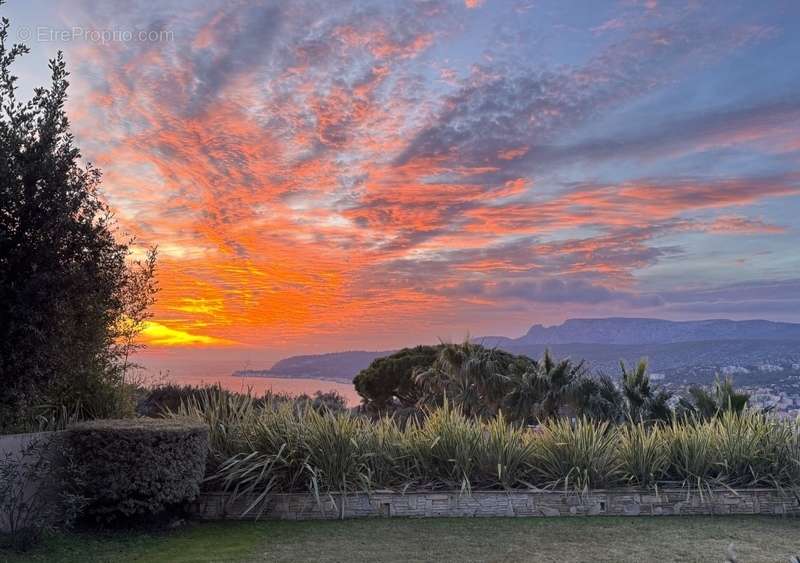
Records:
x=323, y=402
x=70, y=303
x=388, y=383
x=470, y=376
x=635, y=399
x=598, y=398
x=539, y=390
x=525, y=392
x=158, y=400
x=135, y=468
x=708, y=404
x=559, y=380
x=162, y=399
x=485, y=381
x=644, y=402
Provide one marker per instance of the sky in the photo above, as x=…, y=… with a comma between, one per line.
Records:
x=323, y=176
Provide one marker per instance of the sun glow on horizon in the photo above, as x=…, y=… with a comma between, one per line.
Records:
x=157, y=334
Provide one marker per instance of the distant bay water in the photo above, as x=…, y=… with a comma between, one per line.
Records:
x=260, y=385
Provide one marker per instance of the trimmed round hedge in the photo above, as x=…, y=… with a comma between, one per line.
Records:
x=133, y=468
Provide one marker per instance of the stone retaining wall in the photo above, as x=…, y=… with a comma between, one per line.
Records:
x=213, y=506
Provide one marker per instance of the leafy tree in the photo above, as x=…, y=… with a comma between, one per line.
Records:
x=388, y=383
x=71, y=302
x=722, y=398
x=643, y=401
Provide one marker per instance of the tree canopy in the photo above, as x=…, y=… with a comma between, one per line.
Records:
x=487, y=382
x=388, y=382
x=71, y=300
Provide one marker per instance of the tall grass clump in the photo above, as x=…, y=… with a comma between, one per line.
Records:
x=579, y=455
x=335, y=454
x=642, y=453
x=506, y=451
x=271, y=456
x=784, y=448
x=754, y=449
x=388, y=460
x=229, y=417
x=690, y=448
x=446, y=448
x=742, y=448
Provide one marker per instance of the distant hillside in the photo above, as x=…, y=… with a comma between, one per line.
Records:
x=681, y=349
x=338, y=365
x=653, y=331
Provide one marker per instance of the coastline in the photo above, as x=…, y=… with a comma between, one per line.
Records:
x=267, y=375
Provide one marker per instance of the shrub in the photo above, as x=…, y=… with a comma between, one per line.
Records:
x=642, y=454
x=71, y=299
x=135, y=468
x=335, y=453
x=783, y=445
x=505, y=453
x=322, y=402
x=161, y=399
x=690, y=449
x=388, y=461
x=580, y=456
x=446, y=448
x=741, y=448
x=269, y=455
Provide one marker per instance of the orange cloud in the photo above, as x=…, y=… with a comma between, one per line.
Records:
x=742, y=225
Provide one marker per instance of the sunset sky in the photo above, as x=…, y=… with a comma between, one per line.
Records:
x=354, y=175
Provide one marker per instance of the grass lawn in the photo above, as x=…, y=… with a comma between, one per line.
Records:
x=699, y=538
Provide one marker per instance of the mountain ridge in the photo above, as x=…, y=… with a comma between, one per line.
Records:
x=635, y=330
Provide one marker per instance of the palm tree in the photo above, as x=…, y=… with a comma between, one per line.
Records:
x=558, y=381
x=722, y=398
x=598, y=398
x=635, y=387
x=644, y=403
x=468, y=376
x=525, y=392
